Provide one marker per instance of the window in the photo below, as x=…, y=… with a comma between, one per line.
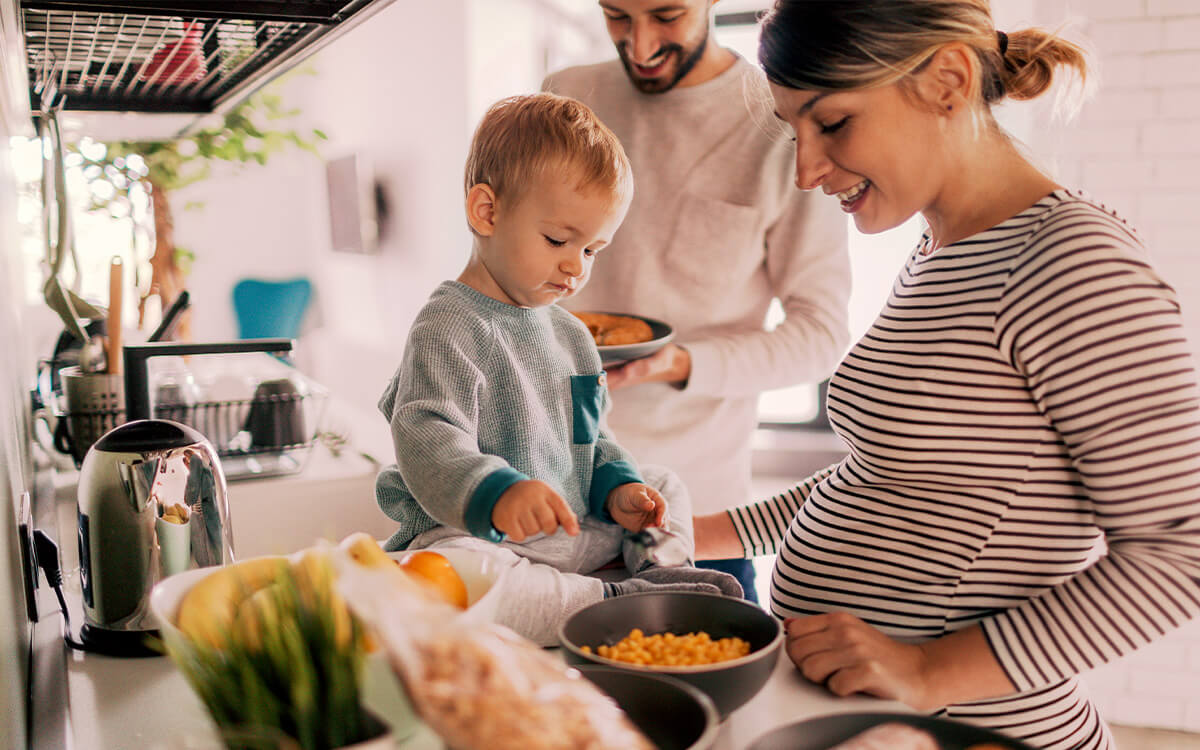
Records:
x=97, y=235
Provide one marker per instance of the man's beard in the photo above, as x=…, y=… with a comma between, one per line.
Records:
x=660, y=85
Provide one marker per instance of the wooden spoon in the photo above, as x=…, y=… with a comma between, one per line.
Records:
x=115, y=290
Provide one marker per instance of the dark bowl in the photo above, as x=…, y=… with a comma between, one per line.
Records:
x=729, y=683
x=649, y=698
x=826, y=731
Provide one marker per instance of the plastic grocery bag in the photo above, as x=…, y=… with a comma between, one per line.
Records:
x=479, y=685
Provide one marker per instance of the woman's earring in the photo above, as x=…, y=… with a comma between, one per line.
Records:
x=949, y=107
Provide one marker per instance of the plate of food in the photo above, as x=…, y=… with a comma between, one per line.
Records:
x=621, y=337
x=863, y=731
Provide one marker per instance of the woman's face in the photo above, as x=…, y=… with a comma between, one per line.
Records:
x=877, y=151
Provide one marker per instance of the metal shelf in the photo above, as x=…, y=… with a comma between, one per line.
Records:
x=196, y=56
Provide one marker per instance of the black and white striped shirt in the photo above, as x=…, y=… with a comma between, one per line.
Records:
x=1024, y=429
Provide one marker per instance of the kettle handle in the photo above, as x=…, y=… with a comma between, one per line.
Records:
x=137, y=377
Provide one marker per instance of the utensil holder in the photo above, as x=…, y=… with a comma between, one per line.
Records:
x=95, y=403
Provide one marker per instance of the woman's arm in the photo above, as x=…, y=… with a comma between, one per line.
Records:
x=755, y=529
x=716, y=537
x=1099, y=338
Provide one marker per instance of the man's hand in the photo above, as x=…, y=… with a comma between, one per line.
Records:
x=635, y=506
x=531, y=506
x=671, y=364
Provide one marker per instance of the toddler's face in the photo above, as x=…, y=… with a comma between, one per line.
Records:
x=541, y=249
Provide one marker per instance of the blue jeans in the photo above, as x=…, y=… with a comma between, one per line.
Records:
x=740, y=568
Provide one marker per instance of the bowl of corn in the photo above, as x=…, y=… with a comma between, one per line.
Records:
x=725, y=647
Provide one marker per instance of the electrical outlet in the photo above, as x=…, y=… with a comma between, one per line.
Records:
x=29, y=568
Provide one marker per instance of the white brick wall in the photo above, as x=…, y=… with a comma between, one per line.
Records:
x=1136, y=146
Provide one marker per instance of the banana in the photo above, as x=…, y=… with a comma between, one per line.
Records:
x=366, y=551
x=207, y=611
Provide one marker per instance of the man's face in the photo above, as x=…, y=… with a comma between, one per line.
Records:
x=659, y=41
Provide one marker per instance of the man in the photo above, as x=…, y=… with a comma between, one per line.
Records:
x=716, y=231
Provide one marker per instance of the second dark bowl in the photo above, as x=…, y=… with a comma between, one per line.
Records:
x=730, y=684
x=647, y=698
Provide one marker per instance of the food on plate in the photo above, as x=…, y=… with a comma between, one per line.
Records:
x=616, y=330
x=436, y=571
x=671, y=650
x=208, y=609
x=890, y=736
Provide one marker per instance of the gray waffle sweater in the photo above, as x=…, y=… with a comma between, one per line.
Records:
x=487, y=395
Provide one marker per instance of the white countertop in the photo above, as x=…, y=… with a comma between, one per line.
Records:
x=146, y=704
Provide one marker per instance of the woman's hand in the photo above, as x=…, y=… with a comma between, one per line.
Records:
x=849, y=656
x=671, y=364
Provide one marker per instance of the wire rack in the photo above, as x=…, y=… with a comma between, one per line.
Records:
x=169, y=56
x=264, y=426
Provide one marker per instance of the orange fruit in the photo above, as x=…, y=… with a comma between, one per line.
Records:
x=434, y=569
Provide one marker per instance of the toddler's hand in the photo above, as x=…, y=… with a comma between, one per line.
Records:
x=635, y=506
x=531, y=506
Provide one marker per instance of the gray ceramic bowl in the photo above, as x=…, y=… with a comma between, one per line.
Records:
x=730, y=683
x=827, y=731
x=648, y=698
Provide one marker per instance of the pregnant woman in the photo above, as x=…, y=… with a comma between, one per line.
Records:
x=1019, y=503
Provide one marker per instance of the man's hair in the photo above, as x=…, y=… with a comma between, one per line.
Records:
x=522, y=136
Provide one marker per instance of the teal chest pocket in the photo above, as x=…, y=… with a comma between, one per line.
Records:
x=587, y=399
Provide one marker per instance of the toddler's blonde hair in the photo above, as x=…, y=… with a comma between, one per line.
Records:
x=521, y=137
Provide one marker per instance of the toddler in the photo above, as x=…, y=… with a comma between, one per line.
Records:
x=497, y=409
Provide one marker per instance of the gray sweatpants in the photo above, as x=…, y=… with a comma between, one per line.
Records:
x=547, y=577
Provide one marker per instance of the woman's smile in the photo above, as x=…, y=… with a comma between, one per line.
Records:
x=852, y=198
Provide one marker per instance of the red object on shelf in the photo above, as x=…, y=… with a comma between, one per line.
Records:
x=177, y=62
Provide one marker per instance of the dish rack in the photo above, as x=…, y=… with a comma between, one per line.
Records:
x=266, y=434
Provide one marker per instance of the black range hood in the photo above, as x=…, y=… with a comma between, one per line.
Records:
x=195, y=56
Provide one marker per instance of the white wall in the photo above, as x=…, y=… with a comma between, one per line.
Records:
x=1136, y=146
x=393, y=90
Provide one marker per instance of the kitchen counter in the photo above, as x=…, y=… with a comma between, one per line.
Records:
x=146, y=703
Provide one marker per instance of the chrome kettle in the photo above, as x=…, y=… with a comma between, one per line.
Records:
x=152, y=502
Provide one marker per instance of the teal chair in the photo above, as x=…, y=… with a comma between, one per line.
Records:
x=271, y=309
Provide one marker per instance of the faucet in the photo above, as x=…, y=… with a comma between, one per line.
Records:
x=137, y=372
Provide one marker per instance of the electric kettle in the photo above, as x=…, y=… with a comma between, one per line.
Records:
x=152, y=502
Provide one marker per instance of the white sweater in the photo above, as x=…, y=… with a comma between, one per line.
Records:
x=717, y=229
